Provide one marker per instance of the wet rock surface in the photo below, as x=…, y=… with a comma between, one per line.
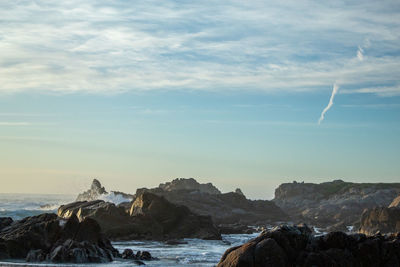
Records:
x=296, y=246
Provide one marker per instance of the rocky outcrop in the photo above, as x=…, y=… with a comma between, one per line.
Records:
x=382, y=220
x=189, y=184
x=332, y=203
x=227, y=208
x=48, y=238
x=296, y=246
x=149, y=217
x=97, y=191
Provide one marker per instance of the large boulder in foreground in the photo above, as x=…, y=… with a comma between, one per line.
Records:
x=48, y=238
x=149, y=217
x=380, y=219
x=296, y=246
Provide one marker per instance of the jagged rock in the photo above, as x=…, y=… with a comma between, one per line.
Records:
x=332, y=203
x=380, y=219
x=189, y=184
x=149, y=217
x=296, y=246
x=93, y=193
x=46, y=237
x=97, y=192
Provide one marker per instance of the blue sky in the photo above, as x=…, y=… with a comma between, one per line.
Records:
x=140, y=92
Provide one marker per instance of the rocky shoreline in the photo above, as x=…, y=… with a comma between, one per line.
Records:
x=81, y=231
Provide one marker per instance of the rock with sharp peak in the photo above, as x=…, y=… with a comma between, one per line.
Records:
x=95, y=191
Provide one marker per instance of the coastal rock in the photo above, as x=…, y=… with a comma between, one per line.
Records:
x=93, y=193
x=296, y=246
x=224, y=208
x=332, y=203
x=46, y=237
x=149, y=217
x=175, y=221
x=97, y=191
x=380, y=219
x=189, y=184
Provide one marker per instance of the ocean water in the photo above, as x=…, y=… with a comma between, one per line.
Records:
x=195, y=253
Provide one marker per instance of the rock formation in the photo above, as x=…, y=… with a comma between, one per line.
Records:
x=97, y=191
x=48, y=238
x=384, y=220
x=149, y=217
x=227, y=208
x=380, y=219
x=295, y=246
x=336, y=203
x=189, y=184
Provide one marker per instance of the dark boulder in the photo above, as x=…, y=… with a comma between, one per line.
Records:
x=47, y=237
x=296, y=246
x=149, y=217
x=172, y=220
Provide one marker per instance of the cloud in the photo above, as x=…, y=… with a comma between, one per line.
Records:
x=334, y=92
x=12, y=123
x=111, y=47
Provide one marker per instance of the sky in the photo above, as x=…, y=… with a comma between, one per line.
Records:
x=247, y=94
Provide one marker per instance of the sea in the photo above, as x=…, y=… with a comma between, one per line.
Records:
x=195, y=252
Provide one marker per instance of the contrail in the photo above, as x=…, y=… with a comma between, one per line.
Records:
x=360, y=57
x=334, y=91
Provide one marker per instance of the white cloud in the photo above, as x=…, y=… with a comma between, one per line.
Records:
x=104, y=47
x=12, y=123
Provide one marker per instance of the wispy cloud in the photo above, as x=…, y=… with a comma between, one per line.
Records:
x=110, y=47
x=13, y=123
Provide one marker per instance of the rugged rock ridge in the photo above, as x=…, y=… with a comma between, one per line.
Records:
x=189, y=184
x=295, y=246
x=148, y=217
x=48, y=238
x=224, y=208
x=205, y=199
x=335, y=203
